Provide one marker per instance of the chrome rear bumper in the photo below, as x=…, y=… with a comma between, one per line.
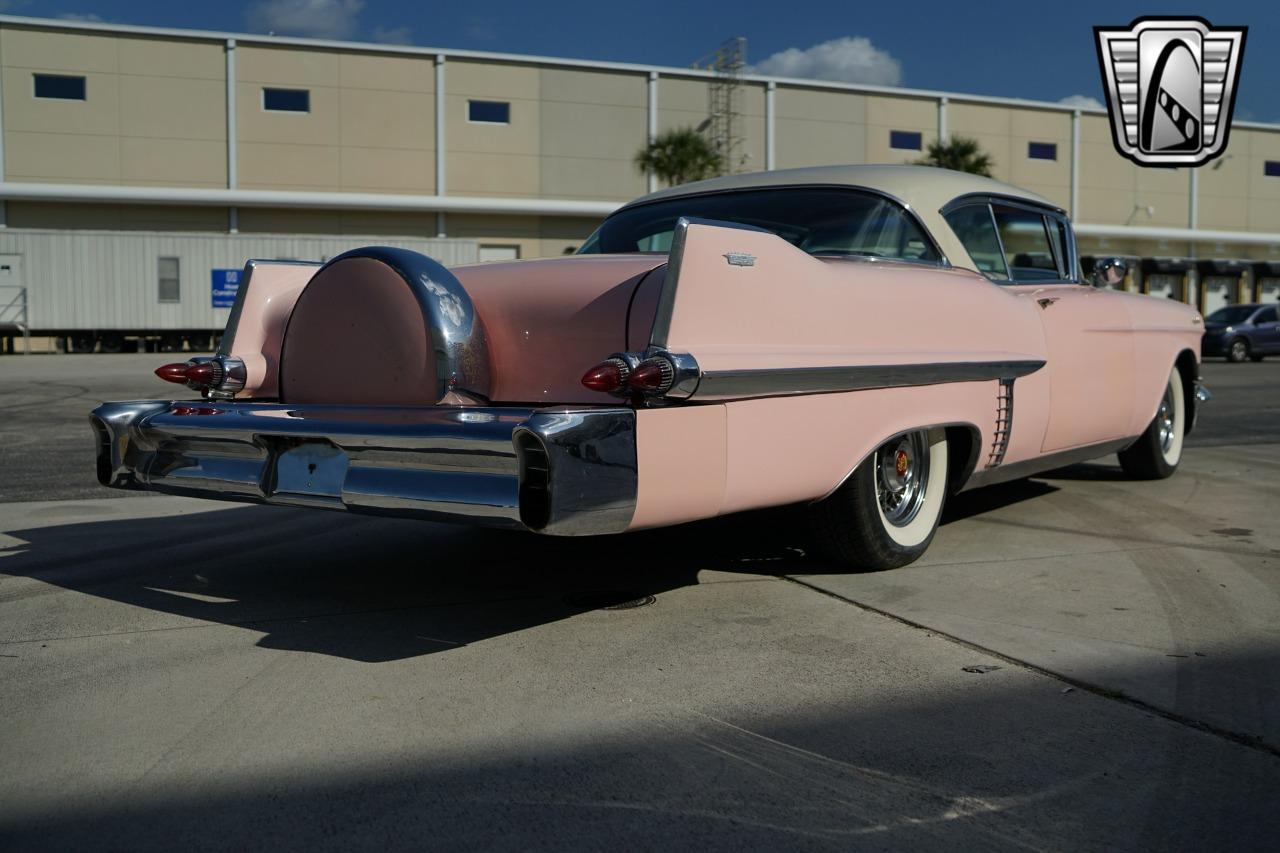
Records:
x=559, y=471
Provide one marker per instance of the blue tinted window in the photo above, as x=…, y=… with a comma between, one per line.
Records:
x=911, y=140
x=287, y=100
x=1272, y=168
x=60, y=86
x=495, y=112
x=1042, y=150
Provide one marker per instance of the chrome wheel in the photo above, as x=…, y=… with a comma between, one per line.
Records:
x=1165, y=425
x=902, y=477
x=1239, y=350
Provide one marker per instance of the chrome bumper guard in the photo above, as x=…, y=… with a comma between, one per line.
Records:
x=559, y=471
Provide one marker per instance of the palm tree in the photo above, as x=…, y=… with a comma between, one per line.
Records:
x=679, y=156
x=959, y=153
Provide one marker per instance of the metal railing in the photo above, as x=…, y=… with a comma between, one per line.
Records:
x=13, y=313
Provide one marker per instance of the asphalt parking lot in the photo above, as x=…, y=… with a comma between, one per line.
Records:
x=1080, y=662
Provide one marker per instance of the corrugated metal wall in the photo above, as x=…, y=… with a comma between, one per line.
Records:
x=110, y=280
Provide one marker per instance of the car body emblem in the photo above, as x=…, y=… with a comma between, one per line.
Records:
x=1171, y=88
x=740, y=259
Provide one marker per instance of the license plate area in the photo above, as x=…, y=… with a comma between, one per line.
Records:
x=310, y=472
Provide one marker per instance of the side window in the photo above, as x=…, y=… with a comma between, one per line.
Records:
x=1026, y=244
x=1266, y=315
x=170, y=283
x=977, y=232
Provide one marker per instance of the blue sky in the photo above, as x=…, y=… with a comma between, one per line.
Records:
x=1030, y=50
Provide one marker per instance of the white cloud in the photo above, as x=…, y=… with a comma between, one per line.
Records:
x=393, y=35
x=1083, y=102
x=852, y=59
x=331, y=19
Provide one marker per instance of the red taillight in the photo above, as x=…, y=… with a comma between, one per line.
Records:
x=201, y=374
x=607, y=376
x=653, y=376
x=173, y=372
x=204, y=373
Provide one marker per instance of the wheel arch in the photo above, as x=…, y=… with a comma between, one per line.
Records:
x=964, y=445
x=1188, y=368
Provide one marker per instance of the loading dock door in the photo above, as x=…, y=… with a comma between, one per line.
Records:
x=1165, y=285
x=1219, y=292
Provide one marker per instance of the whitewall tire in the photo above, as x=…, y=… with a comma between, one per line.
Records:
x=1157, y=452
x=886, y=513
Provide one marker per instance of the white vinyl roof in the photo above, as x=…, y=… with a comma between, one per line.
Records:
x=921, y=188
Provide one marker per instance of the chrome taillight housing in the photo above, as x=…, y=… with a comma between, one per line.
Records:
x=652, y=376
x=217, y=377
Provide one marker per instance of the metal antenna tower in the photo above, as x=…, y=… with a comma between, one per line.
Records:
x=724, y=125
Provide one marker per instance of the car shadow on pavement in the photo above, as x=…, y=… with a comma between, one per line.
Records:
x=375, y=589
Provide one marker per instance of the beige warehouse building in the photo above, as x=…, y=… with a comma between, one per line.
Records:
x=116, y=129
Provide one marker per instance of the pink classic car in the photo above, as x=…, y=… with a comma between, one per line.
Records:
x=861, y=340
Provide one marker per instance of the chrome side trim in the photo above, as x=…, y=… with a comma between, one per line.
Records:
x=675, y=258
x=590, y=470
x=772, y=382
x=457, y=332
x=1040, y=464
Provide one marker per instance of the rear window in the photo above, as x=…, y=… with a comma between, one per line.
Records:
x=818, y=220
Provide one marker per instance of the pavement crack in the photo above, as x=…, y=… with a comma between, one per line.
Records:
x=1251, y=741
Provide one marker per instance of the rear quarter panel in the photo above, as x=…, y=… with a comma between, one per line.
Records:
x=790, y=309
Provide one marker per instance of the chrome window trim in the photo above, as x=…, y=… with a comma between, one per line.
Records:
x=943, y=260
x=1046, y=210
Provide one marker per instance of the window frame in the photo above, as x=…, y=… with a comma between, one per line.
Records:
x=1051, y=145
x=267, y=109
x=1050, y=215
x=471, y=120
x=918, y=134
x=35, y=79
x=161, y=279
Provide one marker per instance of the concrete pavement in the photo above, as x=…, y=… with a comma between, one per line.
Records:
x=1080, y=662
